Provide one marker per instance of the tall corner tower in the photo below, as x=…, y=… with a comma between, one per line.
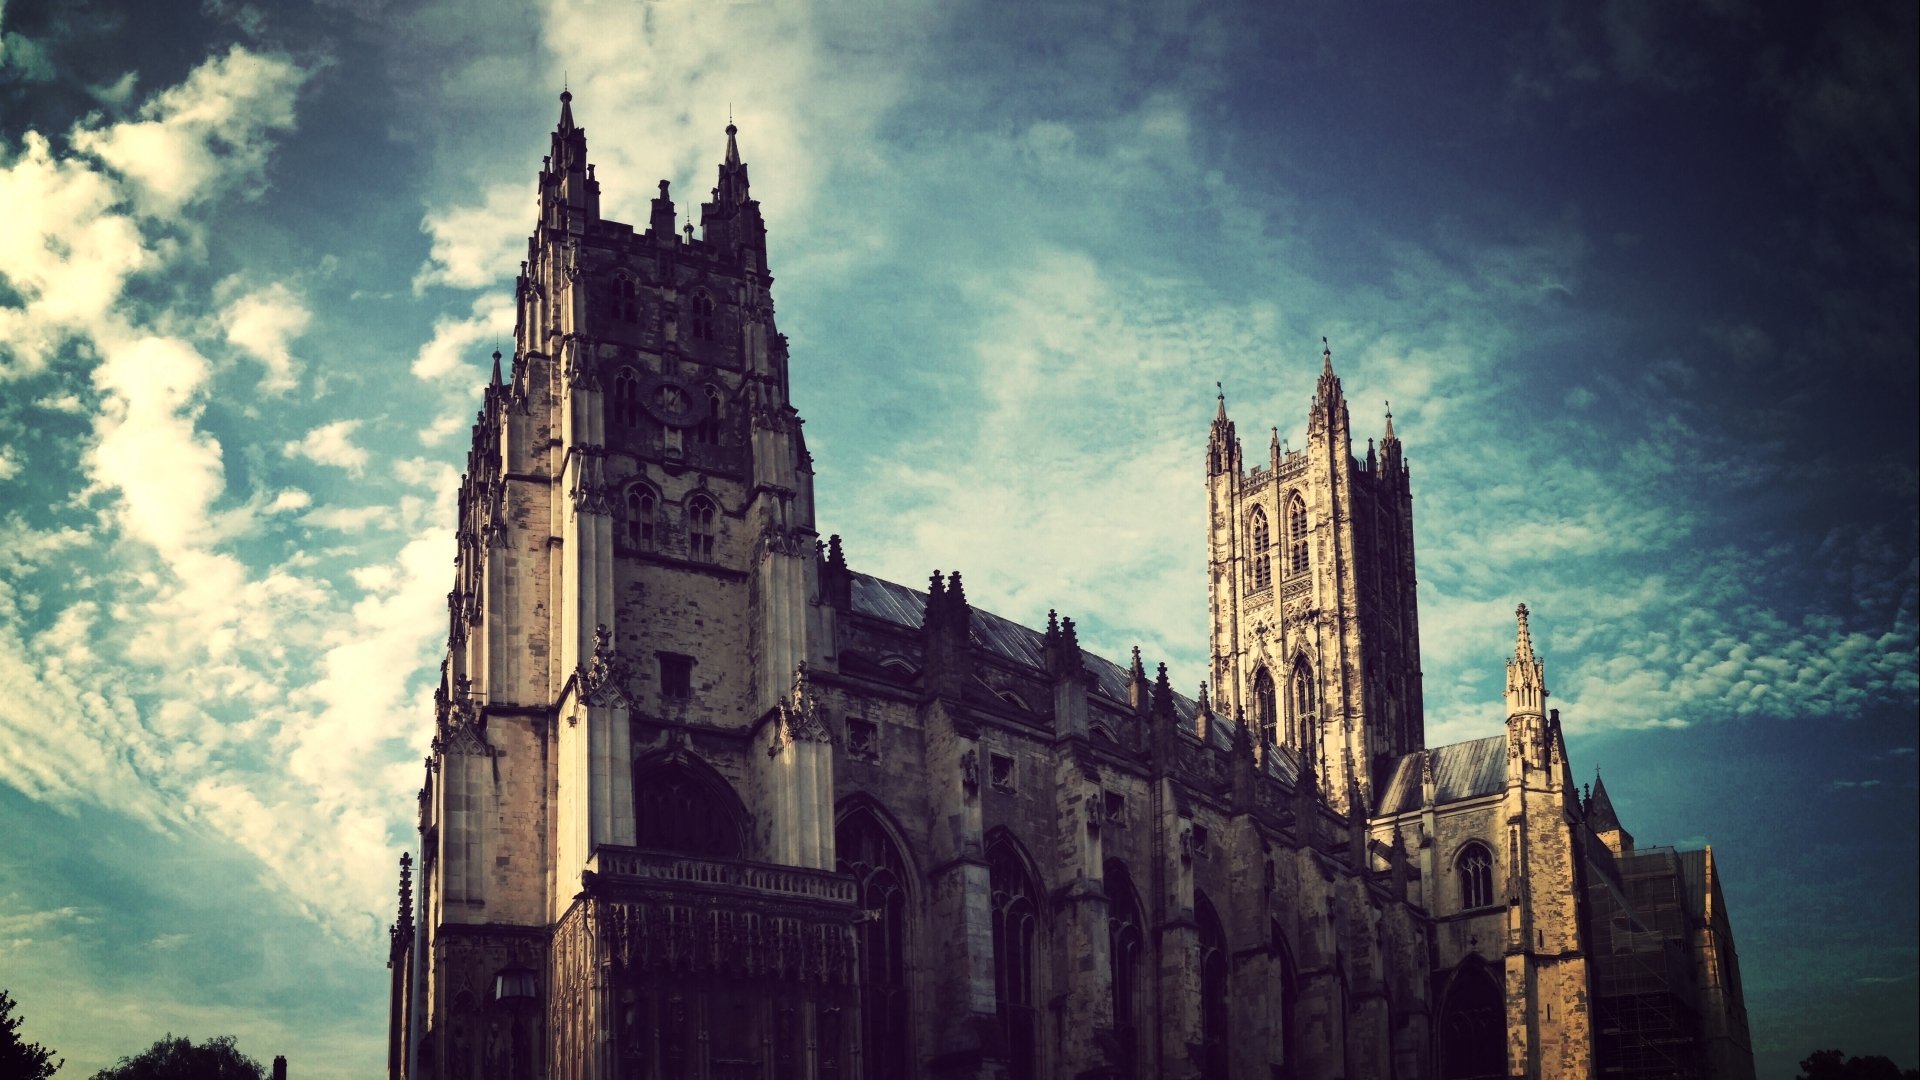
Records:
x=1315, y=628
x=625, y=729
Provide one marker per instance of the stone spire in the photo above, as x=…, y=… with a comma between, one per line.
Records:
x=1223, y=448
x=732, y=190
x=1526, y=674
x=1329, y=401
x=569, y=194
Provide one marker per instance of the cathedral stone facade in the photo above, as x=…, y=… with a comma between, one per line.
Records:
x=707, y=803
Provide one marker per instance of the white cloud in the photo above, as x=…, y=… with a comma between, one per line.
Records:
x=262, y=324
x=447, y=354
x=205, y=136
x=476, y=246
x=348, y=518
x=9, y=463
x=332, y=444
x=148, y=450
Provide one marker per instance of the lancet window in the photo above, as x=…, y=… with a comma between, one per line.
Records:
x=1296, y=535
x=707, y=431
x=1213, y=990
x=1303, y=700
x=1262, y=564
x=1474, y=867
x=641, y=506
x=701, y=324
x=868, y=854
x=626, y=397
x=1266, y=715
x=1016, y=932
x=700, y=528
x=1126, y=956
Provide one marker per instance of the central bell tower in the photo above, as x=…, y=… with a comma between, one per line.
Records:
x=1311, y=585
x=626, y=736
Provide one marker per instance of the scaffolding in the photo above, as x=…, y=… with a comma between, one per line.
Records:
x=1646, y=999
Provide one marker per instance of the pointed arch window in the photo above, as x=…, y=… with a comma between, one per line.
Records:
x=868, y=854
x=1262, y=539
x=1285, y=990
x=680, y=810
x=626, y=397
x=1016, y=933
x=1265, y=712
x=701, y=324
x=707, y=431
x=629, y=302
x=700, y=528
x=1473, y=1026
x=1474, y=868
x=1126, y=956
x=1296, y=535
x=1303, y=701
x=641, y=506
x=1213, y=989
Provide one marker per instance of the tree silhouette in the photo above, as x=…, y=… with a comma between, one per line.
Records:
x=1835, y=1065
x=177, y=1059
x=19, y=1059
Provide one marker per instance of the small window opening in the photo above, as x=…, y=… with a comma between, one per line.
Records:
x=1262, y=567
x=1000, y=772
x=676, y=676
x=640, y=519
x=702, y=317
x=626, y=397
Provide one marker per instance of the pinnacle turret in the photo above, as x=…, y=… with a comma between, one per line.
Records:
x=1526, y=674
x=732, y=219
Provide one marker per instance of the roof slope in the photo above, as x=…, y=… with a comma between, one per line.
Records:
x=1466, y=770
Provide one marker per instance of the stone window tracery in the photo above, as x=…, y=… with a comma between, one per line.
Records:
x=1262, y=566
x=1126, y=957
x=1474, y=867
x=701, y=323
x=1213, y=990
x=626, y=397
x=700, y=528
x=642, y=525
x=707, y=431
x=1303, y=701
x=1296, y=535
x=1265, y=710
x=678, y=810
x=868, y=854
x=1016, y=932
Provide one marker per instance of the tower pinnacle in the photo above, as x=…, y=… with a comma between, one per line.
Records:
x=1526, y=675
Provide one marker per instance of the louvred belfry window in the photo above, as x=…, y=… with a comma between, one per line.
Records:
x=640, y=504
x=1262, y=539
x=1266, y=715
x=626, y=397
x=702, y=321
x=1296, y=535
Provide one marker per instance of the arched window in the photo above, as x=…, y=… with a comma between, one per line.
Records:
x=707, y=431
x=702, y=321
x=1296, y=535
x=1016, y=933
x=626, y=397
x=641, y=526
x=869, y=855
x=629, y=300
x=1126, y=956
x=1262, y=565
x=1213, y=990
x=1281, y=1056
x=1303, y=702
x=1266, y=715
x=1473, y=1024
x=688, y=812
x=700, y=528
x=1474, y=867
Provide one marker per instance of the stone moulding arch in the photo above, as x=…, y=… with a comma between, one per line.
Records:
x=861, y=802
x=736, y=823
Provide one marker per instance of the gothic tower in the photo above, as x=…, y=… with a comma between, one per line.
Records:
x=1545, y=958
x=624, y=717
x=1310, y=559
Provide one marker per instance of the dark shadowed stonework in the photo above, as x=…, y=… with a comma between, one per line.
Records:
x=706, y=802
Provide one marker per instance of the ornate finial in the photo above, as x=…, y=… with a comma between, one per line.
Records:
x=1326, y=353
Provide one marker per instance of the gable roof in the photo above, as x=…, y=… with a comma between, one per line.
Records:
x=1465, y=770
x=906, y=607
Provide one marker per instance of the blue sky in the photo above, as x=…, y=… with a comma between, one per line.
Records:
x=1639, y=280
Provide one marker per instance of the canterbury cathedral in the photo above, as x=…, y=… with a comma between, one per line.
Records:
x=707, y=802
